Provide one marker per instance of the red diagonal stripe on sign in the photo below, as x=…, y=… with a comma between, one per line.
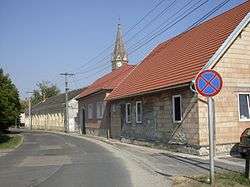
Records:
x=208, y=83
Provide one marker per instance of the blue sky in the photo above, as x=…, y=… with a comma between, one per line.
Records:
x=39, y=39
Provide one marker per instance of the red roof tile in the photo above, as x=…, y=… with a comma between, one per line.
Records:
x=108, y=81
x=178, y=60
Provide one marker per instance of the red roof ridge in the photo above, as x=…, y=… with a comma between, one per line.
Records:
x=158, y=47
x=122, y=69
x=134, y=65
x=107, y=81
x=112, y=72
x=189, y=51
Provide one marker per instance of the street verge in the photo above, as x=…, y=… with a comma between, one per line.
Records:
x=226, y=179
x=9, y=142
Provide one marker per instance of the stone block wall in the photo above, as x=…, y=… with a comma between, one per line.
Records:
x=157, y=123
x=115, y=121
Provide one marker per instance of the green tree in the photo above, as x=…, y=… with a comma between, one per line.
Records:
x=44, y=90
x=9, y=101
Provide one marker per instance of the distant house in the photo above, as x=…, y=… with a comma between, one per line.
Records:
x=155, y=102
x=49, y=114
x=94, y=111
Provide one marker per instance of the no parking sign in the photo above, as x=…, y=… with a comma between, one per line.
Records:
x=208, y=83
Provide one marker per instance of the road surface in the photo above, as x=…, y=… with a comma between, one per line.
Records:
x=47, y=159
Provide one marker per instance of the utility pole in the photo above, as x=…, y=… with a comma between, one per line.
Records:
x=66, y=117
x=30, y=117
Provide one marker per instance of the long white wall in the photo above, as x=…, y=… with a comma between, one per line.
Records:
x=55, y=119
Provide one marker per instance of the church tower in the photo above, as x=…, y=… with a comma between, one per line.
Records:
x=119, y=56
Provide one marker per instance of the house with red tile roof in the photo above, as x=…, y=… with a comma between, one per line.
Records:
x=157, y=102
x=93, y=110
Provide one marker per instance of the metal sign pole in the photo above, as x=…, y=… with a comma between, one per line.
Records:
x=211, y=138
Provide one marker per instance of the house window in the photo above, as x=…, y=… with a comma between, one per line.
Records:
x=244, y=107
x=177, y=112
x=113, y=108
x=90, y=111
x=138, y=111
x=99, y=110
x=128, y=113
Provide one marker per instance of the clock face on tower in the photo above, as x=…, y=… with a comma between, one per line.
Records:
x=119, y=64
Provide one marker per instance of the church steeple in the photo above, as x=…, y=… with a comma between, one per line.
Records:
x=119, y=54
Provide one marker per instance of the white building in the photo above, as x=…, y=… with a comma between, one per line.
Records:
x=49, y=114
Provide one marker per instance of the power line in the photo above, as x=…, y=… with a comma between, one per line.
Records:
x=93, y=69
x=203, y=18
x=132, y=27
x=198, y=21
x=147, y=14
x=166, y=28
x=102, y=60
x=178, y=20
x=152, y=20
x=165, y=24
x=129, y=30
x=136, y=46
x=100, y=70
x=107, y=59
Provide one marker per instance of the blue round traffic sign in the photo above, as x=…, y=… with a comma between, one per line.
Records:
x=208, y=83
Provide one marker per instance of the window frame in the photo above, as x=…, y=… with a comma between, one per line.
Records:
x=92, y=112
x=238, y=95
x=99, y=106
x=126, y=116
x=136, y=111
x=173, y=108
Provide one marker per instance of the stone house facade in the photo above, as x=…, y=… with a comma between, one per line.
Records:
x=49, y=114
x=163, y=107
x=93, y=114
x=157, y=124
x=94, y=111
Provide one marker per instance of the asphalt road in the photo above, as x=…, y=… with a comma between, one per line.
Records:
x=47, y=159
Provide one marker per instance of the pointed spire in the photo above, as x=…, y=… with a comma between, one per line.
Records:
x=119, y=54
